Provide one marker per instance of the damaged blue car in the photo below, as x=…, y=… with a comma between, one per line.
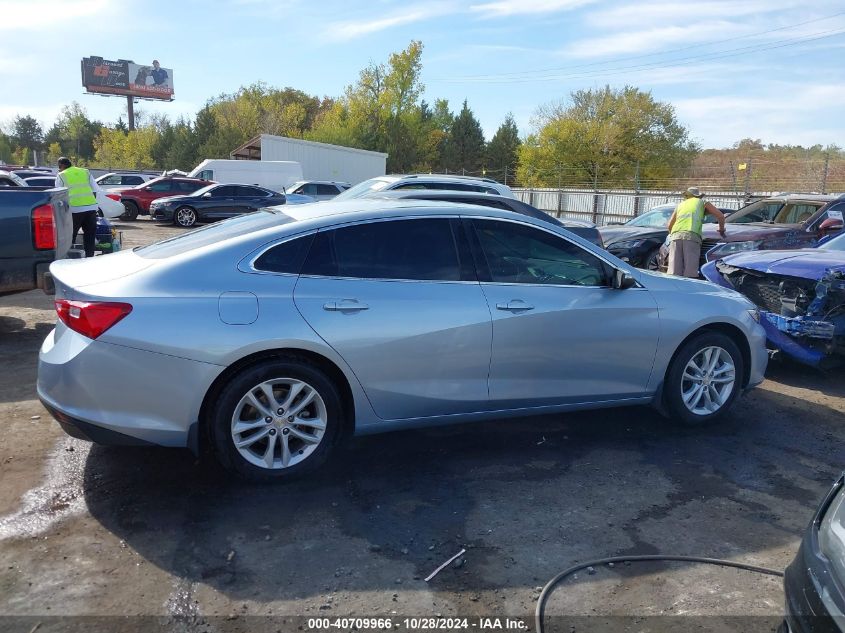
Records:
x=800, y=294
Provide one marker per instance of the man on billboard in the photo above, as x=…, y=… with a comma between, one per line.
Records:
x=158, y=74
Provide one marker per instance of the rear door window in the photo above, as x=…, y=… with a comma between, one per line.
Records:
x=325, y=190
x=417, y=249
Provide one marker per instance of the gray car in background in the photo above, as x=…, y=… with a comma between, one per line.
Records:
x=271, y=336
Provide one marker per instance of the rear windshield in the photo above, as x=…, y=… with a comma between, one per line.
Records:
x=225, y=230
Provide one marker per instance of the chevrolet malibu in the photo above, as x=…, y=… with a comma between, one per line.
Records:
x=271, y=336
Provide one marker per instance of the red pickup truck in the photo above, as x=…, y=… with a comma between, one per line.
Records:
x=136, y=200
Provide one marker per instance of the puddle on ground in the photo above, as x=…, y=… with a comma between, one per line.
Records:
x=57, y=498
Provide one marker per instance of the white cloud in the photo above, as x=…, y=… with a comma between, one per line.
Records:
x=45, y=14
x=770, y=114
x=653, y=39
x=504, y=8
x=685, y=13
x=351, y=29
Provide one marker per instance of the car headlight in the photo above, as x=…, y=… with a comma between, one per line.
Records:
x=627, y=245
x=728, y=248
x=832, y=534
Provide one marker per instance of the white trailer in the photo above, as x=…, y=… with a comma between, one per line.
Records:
x=320, y=161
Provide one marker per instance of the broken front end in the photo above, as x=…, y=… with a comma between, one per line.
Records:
x=803, y=318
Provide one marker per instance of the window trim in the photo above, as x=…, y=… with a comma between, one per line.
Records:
x=475, y=243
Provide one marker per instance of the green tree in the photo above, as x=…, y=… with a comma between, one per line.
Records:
x=5, y=148
x=27, y=133
x=502, y=152
x=605, y=135
x=74, y=132
x=465, y=145
x=116, y=150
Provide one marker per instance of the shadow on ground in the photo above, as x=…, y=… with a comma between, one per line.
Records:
x=527, y=497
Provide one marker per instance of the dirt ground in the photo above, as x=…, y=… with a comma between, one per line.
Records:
x=100, y=531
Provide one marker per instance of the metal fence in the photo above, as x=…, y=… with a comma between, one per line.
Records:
x=605, y=206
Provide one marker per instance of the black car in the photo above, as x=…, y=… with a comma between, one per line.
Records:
x=638, y=241
x=814, y=582
x=583, y=229
x=214, y=202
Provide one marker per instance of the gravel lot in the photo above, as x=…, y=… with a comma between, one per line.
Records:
x=99, y=531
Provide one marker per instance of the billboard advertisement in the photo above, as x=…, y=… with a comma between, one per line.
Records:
x=123, y=77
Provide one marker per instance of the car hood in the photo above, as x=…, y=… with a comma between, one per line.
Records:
x=613, y=234
x=810, y=263
x=745, y=232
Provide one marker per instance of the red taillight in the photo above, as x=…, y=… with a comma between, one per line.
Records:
x=44, y=227
x=113, y=196
x=91, y=318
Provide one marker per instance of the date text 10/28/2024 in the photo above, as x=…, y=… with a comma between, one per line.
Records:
x=417, y=624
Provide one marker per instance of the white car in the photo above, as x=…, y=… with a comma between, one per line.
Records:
x=318, y=189
x=117, y=179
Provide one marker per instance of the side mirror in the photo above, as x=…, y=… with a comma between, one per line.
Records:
x=831, y=225
x=622, y=280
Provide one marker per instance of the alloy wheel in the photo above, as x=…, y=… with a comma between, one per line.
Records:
x=708, y=380
x=186, y=217
x=279, y=423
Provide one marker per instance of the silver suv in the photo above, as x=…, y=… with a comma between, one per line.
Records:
x=427, y=181
x=318, y=189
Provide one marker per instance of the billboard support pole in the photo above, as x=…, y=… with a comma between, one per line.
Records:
x=130, y=112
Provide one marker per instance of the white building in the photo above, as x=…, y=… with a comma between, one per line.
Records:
x=320, y=161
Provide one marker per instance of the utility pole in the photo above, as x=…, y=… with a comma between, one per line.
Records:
x=824, y=174
x=130, y=112
x=637, y=189
x=733, y=175
x=506, y=175
x=747, y=180
x=559, y=191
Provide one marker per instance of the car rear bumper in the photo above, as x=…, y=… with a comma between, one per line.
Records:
x=114, y=394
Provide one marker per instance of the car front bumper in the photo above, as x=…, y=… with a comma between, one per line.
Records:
x=114, y=394
x=162, y=214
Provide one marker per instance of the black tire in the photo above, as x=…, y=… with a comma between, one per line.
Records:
x=652, y=260
x=673, y=386
x=131, y=212
x=186, y=217
x=220, y=416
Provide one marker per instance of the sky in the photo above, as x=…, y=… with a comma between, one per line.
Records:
x=767, y=69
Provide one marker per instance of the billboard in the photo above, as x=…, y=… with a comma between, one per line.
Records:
x=123, y=77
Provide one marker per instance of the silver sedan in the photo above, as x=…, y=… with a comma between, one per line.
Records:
x=271, y=336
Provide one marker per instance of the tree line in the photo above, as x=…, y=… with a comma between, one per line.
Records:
x=599, y=137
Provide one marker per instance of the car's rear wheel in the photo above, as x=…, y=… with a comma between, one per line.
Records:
x=276, y=420
x=185, y=217
x=131, y=210
x=704, y=378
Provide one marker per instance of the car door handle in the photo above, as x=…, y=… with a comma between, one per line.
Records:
x=514, y=305
x=345, y=305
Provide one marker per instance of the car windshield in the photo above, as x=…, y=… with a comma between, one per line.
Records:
x=760, y=211
x=363, y=188
x=658, y=217
x=836, y=244
x=227, y=229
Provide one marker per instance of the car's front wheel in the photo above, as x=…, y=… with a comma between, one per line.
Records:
x=704, y=378
x=276, y=420
x=652, y=261
x=185, y=217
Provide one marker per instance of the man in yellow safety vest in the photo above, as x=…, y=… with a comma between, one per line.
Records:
x=685, y=232
x=82, y=192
